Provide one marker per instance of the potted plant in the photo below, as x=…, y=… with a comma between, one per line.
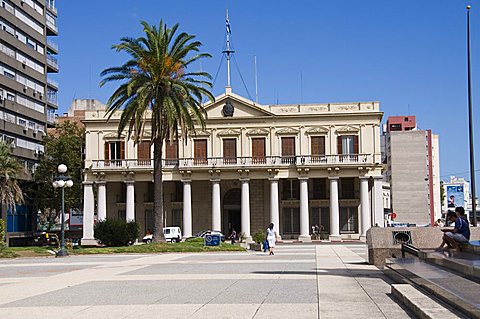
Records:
x=258, y=238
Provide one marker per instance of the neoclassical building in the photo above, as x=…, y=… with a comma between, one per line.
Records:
x=294, y=165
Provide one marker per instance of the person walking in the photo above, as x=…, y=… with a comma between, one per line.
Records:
x=271, y=238
x=233, y=236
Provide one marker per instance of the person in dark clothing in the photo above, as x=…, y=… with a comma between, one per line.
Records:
x=459, y=235
x=233, y=236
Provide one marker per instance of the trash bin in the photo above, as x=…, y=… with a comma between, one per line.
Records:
x=212, y=240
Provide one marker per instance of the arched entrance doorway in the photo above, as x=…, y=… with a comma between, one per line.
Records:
x=232, y=211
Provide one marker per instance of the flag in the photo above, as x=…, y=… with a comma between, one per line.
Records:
x=228, y=26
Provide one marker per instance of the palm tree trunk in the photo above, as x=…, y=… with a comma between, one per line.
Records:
x=158, y=191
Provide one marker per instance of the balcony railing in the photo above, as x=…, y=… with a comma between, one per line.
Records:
x=51, y=61
x=218, y=162
x=52, y=45
x=51, y=5
x=52, y=82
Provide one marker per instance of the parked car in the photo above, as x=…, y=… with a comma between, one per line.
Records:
x=202, y=234
x=45, y=239
x=172, y=234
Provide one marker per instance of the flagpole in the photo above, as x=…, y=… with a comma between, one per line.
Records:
x=228, y=51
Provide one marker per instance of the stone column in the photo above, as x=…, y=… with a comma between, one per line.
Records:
x=130, y=211
x=246, y=209
x=378, y=201
x=334, y=210
x=102, y=200
x=187, y=208
x=88, y=214
x=216, y=211
x=365, y=207
x=274, y=210
x=304, y=216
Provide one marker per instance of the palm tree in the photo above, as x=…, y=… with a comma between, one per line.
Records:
x=10, y=168
x=157, y=89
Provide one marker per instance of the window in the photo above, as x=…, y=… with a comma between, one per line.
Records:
x=317, y=144
x=290, y=189
x=288, y=150
x=114, y=151
x=348, y=220
x=171, y=152
x=258, y=150
x=229, y=151
x=319, y=188
x=347, y=188
x=200, y=152
x=143, y=153
x=320, y=216
x=348, y=148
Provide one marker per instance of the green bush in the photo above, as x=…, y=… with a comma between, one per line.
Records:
x=2, y=234
x=116, y=232
x=259, y=236
x=195, y=239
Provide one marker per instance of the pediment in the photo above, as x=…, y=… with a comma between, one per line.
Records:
x=317, y=130
x=287, y=131
x=114, y=136
x=228, y=132
x=234, y=106
x=204, y=133
x=347, y=129
x=257, y=132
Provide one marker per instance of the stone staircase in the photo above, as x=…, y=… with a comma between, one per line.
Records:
x=438, y=284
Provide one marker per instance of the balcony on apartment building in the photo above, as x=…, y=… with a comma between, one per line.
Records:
x=50, y=4
x=52, y=64
x=237, y=162
x=52, y=46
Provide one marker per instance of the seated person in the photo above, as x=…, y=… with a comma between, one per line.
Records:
x=459, y=234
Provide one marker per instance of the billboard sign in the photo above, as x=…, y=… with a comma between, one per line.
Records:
x=455, y=196
x=76, y=218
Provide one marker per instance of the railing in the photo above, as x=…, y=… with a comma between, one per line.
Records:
x=52, y=25
x=51, y=5
x=52, y=44
x=52, y=82
x=51, y=61
x=258, y=161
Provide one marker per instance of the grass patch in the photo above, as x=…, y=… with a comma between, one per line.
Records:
x=183, y=247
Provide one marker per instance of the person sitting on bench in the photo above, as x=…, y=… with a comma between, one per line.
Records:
x=459, y=235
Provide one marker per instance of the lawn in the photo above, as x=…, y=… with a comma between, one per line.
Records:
x=183, y=247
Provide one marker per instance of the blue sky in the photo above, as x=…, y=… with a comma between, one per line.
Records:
x=410, y=55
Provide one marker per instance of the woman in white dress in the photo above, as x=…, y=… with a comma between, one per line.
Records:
x=271, y=237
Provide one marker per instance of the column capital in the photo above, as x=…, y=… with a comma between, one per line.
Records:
x=186, y=181
x=273, y=179
x=129, y=182
x=334, y=177
x=244, y=179
x=303, y=178
x=87, y=183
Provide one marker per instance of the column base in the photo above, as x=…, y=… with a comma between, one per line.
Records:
x=88, y=242
x=248, y=239
x=363, y=238
x=305, y=238
x=336, y=238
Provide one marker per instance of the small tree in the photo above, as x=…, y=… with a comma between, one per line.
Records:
x=10, y=169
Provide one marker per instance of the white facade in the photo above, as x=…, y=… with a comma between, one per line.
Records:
x=293, y=165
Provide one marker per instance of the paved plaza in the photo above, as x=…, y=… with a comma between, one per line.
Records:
x=299, y=281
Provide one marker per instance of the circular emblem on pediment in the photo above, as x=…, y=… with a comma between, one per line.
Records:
x=228, y=109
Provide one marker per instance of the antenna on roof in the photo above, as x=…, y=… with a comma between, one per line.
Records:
x=256, y=79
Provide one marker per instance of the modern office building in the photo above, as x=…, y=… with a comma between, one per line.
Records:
x=413, y=171
x=28, y=98
x=293, y=165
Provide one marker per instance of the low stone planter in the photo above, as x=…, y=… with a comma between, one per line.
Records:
x=255, y=247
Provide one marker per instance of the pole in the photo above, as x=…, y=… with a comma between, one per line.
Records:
x=470, y=124
x=63, y=251
x=256, y=80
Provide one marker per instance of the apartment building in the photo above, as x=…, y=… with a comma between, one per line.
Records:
x=293, y=165
x=412, y=163
x=28, y=97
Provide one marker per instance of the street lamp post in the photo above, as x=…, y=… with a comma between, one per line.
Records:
x=62, y=181
x=470, y=124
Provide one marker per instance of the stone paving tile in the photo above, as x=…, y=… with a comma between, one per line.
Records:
x=37, y=271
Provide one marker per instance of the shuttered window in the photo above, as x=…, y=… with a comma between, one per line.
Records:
x=200, y=151
x=143, y=150
x=317, y=149
x=288, y=150
x=114, y=151
x=347, y=144
x=258, y=150
x=171, y=152
x=230, y=151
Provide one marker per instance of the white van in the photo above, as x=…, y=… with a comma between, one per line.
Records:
x=172, y=234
